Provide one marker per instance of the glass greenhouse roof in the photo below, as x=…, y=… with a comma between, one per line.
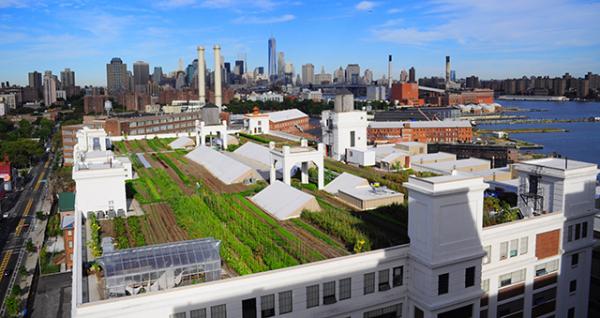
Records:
x=139, y=260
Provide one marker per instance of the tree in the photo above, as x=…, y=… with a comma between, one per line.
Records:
x=12, y=306
x=22, y=151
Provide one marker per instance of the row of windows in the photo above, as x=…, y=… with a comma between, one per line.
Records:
x=313, y=299
x=577, y=231
x=444, y=280
x=160, y=128
x=162, y=120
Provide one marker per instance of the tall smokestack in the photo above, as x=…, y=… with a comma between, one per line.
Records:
x=447, y=72
x=201, y=76
x=218, y=93
x=390, y=71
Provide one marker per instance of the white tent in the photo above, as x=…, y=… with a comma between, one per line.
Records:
x=182, y=143
x=345, y=181
x=224, y=168
x=284, y=202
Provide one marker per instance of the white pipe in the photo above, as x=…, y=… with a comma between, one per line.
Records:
x=201, y=76
x=218, y=93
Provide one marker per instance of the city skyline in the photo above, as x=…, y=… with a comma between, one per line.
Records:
x=84, y=37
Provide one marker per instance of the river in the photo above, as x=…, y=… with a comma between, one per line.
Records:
x=581, y=142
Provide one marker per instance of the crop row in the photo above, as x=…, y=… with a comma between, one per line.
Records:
x=175, y=168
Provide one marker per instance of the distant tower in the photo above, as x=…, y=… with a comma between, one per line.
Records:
x=201, y=76
x=412, y=77
x=49, y=89
x=447, y=72
x=390, y=71
x=280, y=64
x=403, y=76
x=117, y=78
x=272, y=57
x=218, y=92
x=308, y=74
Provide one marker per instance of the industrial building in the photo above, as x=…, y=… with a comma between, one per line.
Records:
x=420, y=131
x=499, y=155
x=291, y=120
x=153, y=124
x=415, y=114
x=455, y=265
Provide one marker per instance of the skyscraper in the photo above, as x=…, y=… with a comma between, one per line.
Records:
x=308, y=74
x=67, y=78
x=35, y=80
x=338, y=75
x=280, y=64
x=49, y=88
x=412, y=76
x=272, y=56
x=403, y=76
x=368, y=77
x=117, y=79
x=191, y=72
x=157, y=74
x=141, y=75
x=352, y=73
x=239, y=68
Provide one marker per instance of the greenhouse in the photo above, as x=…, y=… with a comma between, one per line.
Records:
x=162, y=266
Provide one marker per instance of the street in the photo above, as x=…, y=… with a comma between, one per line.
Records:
x=13, y=231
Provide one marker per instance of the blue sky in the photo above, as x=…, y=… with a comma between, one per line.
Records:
x=492, y=39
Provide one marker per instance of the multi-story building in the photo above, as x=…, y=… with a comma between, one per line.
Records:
x=476, y=96
x=94, y=104
x=67, y=78
x=272, y=67
x=143, y=125
x=66, y=209
x=352, y=74
x=406, y=94
x=420, y=131
x=376, y=93
x=412, y=75
x=49, y=88
x=35, y=81
x=69, y=139
x=323, y=78
x=280, y=65
x=308, y=74
x=141, y=76
x=456, y=264
x=117, y=78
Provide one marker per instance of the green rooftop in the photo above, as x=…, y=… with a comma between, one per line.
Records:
x=66, y=201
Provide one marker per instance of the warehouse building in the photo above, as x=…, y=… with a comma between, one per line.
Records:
x=420, y=131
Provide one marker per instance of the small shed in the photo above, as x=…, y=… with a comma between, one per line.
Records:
x=284, y=202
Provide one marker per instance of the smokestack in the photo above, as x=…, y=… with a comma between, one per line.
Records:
x=390, y=71
x=201, y=76
x=218, y=96
x=447, y=72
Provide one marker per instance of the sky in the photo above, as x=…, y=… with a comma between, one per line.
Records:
x=490, y=39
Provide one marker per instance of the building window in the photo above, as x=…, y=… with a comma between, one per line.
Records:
x=398, y=276
x=573, y=286
x=546, y=268
x=574, y=260
x=512, y=278
x=485, y=285
x=312, y=296
x=443, y=283
x=329, y=293
x=345, y=288
x=198, y=313
x=514, y=246
x=571, y=313
x=584, y=229
x=178, y=315
x=570, y=233
x=523, y=246
x=419, y=313
x=384, y=280
x=70, y=244
x=470, y=276
x=285, y=302
x=389, y=311
x=219, y=311
x=352, y=138
x=369, y=283
x=267, y=306
x=487, y=258
x=503, y=250
x=577, y=231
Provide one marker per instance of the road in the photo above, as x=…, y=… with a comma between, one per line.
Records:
x=13, y=230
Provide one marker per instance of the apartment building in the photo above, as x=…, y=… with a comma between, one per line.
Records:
x=537, y=265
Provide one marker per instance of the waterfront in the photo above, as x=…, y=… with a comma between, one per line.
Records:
x=581, y=142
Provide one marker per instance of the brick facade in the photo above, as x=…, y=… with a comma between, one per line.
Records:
x=546, y=244
x=421, y=134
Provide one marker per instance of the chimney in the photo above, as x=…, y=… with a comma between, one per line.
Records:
x=201, y=76
x=390, y=71
x=218, y=92
x=447, y=72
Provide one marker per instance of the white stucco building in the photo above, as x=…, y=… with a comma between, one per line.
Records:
x=99, y=175
x=454, y=266
x=256, y=123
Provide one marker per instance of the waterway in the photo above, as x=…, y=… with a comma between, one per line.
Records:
x=581, y=142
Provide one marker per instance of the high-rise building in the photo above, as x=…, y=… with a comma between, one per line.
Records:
x=67, y=78
x=352, y=74
x=280, y=64
x=191, y=72
x=272, y=68
x=403, y=76
x=453, y=75
x=472, y=82
x=117, y=79
x=338, y=75
x=49, y=88
x=157, y=74
x=412, y=76
x=239, y=68
x=35, y=80
x=323, y=78
x=141, y=76
x=308, y=74
x=368, y=77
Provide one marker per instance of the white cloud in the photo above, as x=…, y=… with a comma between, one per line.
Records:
x=533, y=25
x=394, y=11
x=365, y=5
x=13, y=4
x=264, y=20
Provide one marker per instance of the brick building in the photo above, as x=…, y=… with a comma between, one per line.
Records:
x=420, y=131
x=133, y=101
x=66, y=208
x=406, y=94
x=160, y=124
x=94, y=104
x=499, y=156
x=290, y=120
x=476, y=96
